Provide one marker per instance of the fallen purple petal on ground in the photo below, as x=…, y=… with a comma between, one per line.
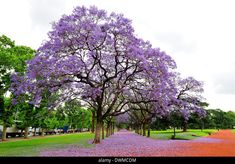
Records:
x=125, y=143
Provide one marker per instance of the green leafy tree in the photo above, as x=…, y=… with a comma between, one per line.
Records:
x=42, y=117
x=78, y=117
x=51, y=121
x=6, y=116
x=230, y=118
x=45, y=118
x=196, y=121
x=84, y=119
x=62, y=118
x=12, y=58
x=25, y=117
x=209, y=120
x=176, y=120
x=161, y=123
x=217, y=118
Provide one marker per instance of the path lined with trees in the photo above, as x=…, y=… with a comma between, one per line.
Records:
x=128, y=144
x=96, y=58
x=94, y=72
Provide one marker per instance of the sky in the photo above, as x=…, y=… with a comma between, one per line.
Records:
x=198, y=34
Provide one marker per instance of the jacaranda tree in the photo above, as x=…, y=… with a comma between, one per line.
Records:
x=150, y=100
x=188, y=99
x=96, y=57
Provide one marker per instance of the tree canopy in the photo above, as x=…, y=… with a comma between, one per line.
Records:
x=97, y=58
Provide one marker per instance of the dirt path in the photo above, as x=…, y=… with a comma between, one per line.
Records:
x=125, y=143
x=224, y=147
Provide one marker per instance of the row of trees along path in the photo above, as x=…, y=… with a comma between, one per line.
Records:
x=96, y=58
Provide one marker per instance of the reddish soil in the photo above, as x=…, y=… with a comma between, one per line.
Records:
x=225, y=147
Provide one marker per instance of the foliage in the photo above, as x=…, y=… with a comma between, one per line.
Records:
x=24, y=115
x=62, y=118
x=51, y=122
x=7, y=114
x=216, y=118
x=77, y=116
x=13, y=58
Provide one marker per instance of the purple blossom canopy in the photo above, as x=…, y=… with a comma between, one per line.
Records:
x=189, y=97
x=96, y=57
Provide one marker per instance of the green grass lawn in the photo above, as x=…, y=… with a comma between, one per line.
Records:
x=33, y=146
x=190, y=134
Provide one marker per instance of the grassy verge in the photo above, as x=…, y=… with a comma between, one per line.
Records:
x=33, y=146
x=190, y=134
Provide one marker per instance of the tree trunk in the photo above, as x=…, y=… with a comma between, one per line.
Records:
x=140, y=129
x=173, y=137
x=82, y=121
x=144, y=130
x=135, y=128
x=4, y=133
x=108, y=129
x=185, y=127
x=148, y=131
x=26, y=131
x=97, y=130
x=42, y=134
x=93, y=122
x=113, y=128
x=34, y=133
x=21, y=132
x=202, y=125
x=102, y=126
